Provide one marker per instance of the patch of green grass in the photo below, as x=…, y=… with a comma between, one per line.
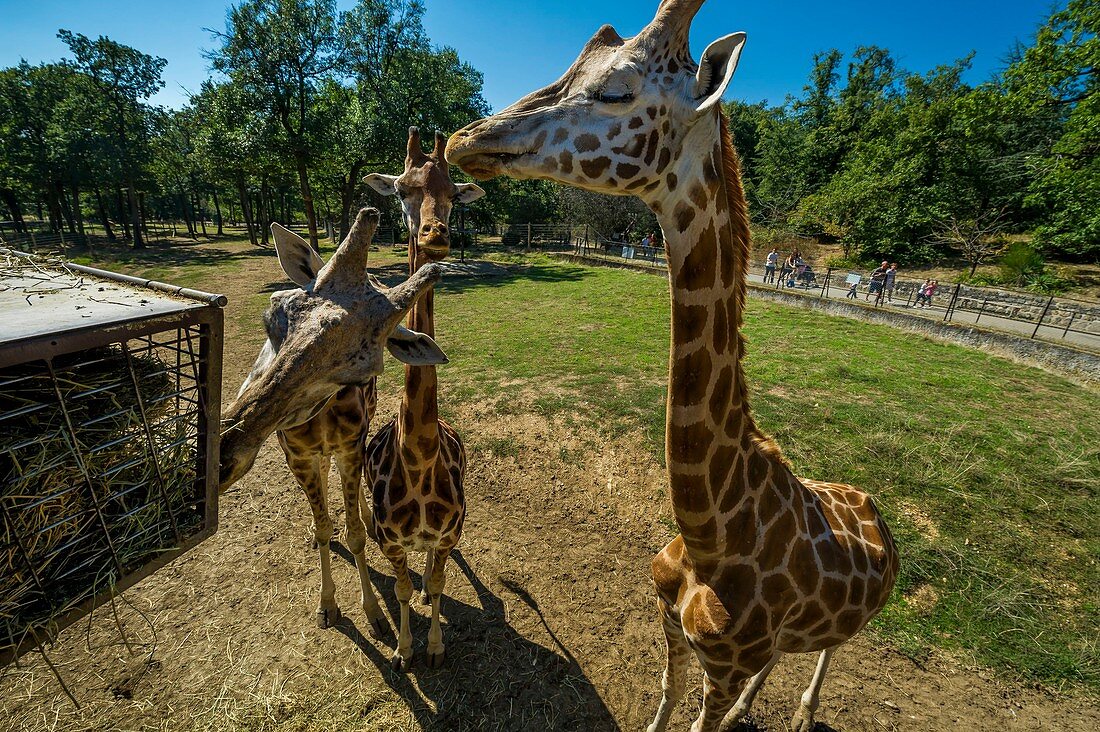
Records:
x=986, y=470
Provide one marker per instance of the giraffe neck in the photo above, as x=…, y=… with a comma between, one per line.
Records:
x=712, y=443
x=419, y=414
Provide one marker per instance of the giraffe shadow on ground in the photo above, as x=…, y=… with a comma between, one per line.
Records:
x=751, y=726
x=493, y=678
x=476, y=274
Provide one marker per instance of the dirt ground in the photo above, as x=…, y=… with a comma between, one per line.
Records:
x=548, y=617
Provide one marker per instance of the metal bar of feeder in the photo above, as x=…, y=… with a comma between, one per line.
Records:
x=152, y=443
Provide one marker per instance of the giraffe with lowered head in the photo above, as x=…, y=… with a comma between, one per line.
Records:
x=765, y=563
x=313, y=383
x=416, y=463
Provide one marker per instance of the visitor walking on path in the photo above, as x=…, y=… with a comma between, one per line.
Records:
x=789, y=267
x=852, y=295
x=769, y=266
x=878, y=277
x=891, y=276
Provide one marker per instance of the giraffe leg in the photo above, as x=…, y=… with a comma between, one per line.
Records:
x=744, y=702
x=403, y=588
x=351, y=471
x=804, y=719
x=674, y=679
x=435, y=582
x=718, y=695
x=429, y=559
x=311, y=473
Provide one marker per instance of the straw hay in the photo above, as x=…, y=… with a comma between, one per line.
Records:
x=83, y=506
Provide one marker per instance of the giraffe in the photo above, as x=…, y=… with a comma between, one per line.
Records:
x=765, y=563
x=416, y=463
x=324, y=343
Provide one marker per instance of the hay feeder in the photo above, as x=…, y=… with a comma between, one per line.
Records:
x=110, y=393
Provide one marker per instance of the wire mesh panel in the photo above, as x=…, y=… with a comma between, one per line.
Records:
x=107, y=463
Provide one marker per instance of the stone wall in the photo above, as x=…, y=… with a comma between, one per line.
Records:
x=1080, y=316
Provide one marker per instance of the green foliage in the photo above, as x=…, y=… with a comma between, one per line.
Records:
x=1059, y=79
x=1020, y=263
x=885, y=161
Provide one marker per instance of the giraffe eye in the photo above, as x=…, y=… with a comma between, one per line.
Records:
x=615, y=97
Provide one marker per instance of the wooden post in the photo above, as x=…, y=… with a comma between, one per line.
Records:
x=825, y=287
x=528, y=247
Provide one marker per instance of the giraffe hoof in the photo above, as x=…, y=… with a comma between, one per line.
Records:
x=328, y=618
x=435, y=660
x=378, y=628
x=803, y=722
x=400, y=664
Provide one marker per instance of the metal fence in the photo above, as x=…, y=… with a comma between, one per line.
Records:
x=1023, y=313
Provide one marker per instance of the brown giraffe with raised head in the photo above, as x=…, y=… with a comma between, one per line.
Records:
x=313, y=383
x=766, y=563
x=416, y=463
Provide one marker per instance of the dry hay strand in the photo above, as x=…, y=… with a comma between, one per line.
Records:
x=90, y=490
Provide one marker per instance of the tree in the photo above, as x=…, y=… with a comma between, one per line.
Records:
x=1058, y=78
x=280, y=52
x=977, y=239
x=124, y=77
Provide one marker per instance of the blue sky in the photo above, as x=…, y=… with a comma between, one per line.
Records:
x=521, y=44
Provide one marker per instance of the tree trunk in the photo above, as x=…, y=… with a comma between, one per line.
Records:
x=66, y=206
x=218, y=212
x=122, y=214
x=103, y=218
x=53, y=208
x=141, y=210
x=973, y=267
x=79, y=214
x=260, y=212
x=8, y=196
x=245, y=213
x=286, y=211
x=185, y=215
x=307, y=198
x=135, y=214
x=348, y=187
x=202, y=216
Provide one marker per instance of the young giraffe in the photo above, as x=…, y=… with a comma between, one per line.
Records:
x=766, y=563
x=311, y=336
x=416, y=463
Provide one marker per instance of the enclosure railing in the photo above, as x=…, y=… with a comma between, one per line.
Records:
x=1025, y=313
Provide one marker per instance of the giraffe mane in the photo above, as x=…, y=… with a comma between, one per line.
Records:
x=742, y=238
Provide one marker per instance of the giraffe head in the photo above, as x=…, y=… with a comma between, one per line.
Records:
x=427, y=195
x=322, y=336
x=617, y=118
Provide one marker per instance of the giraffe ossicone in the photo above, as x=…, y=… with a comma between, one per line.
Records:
x=766, y=563
x=313, y=383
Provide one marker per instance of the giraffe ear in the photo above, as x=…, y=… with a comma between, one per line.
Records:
x=415, y=349
x=382, y=184
x=716, y=70
x=299, y=260
x=468, y=192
